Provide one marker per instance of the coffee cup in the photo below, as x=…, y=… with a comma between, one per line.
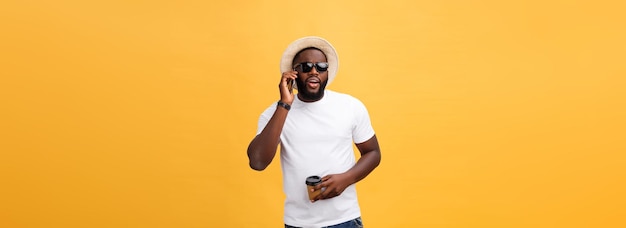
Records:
x=311, y=182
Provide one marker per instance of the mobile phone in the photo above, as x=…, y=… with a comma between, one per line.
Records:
x=290, y=83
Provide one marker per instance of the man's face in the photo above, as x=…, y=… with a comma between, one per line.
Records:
x=311, y=84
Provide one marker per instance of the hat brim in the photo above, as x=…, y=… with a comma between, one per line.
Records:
x=306, y=42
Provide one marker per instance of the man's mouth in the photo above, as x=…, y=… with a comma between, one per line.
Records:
x=313, y=83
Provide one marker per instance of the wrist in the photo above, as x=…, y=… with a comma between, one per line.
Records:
x=350, y=177
x=284, y=105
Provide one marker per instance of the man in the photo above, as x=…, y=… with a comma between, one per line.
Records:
x=316, y=129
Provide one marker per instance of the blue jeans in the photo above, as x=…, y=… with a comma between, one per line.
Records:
x=354, y=223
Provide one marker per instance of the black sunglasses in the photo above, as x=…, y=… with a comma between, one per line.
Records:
x=308, y=66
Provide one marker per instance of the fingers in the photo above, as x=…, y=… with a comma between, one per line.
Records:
x=288, y=76
x=329, y=188
x=327, y=193
x=285, y=86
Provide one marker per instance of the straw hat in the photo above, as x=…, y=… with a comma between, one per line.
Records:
x=311, y=41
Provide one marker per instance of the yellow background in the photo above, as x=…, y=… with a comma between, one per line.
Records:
x=139, y=113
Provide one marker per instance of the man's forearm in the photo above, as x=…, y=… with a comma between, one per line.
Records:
x=262, y=149
x=370, y=158
x=364, y=166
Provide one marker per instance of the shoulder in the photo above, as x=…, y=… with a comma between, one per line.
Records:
x=344, y=99
x=269, y=110
x=342, y=96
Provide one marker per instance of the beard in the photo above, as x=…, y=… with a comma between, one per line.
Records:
x=306, y=95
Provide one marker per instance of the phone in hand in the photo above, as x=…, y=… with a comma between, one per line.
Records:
x=290, y=83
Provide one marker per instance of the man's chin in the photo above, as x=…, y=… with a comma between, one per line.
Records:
x=312, y=95
x=313, y=92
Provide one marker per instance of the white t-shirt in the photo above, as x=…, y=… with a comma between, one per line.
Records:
x=317, y=139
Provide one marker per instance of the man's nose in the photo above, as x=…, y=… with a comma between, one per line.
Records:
x=314, y=71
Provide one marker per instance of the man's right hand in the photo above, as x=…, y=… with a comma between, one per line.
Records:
x=285, y=86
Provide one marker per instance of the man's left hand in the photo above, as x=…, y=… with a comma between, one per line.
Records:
x=332, y=185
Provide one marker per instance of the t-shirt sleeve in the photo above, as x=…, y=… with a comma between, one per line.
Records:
x=362, y=129
x=265, y=118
